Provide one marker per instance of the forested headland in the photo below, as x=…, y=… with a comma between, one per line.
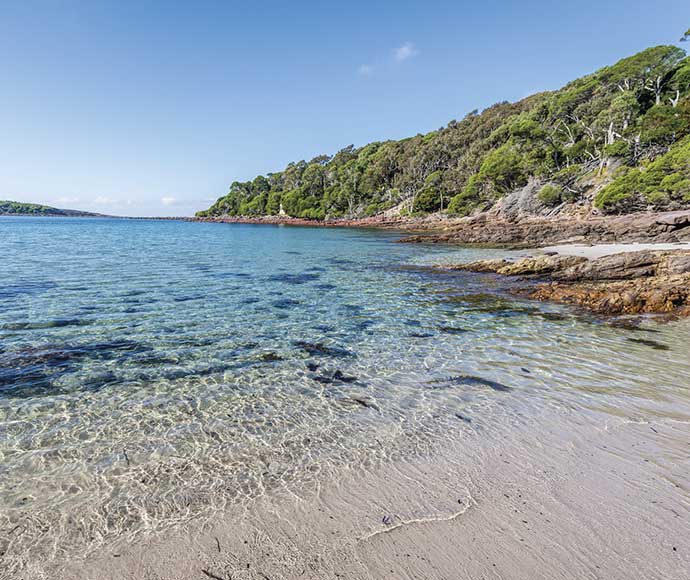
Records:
x=617, y=140
x=17, y=208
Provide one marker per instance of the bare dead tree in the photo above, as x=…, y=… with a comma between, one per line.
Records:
x=655, y=86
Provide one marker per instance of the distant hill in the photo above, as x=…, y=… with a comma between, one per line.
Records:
x=617, y=140
x=34, y=209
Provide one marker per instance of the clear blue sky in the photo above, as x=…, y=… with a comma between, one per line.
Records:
x=154, y=108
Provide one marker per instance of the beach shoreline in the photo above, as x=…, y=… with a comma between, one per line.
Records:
x=555, y=501
x=539, y=496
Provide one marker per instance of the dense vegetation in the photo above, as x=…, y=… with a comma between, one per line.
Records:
x=34, y=209
x=617, y=138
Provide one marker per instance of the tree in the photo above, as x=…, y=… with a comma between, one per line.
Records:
x=637, y=110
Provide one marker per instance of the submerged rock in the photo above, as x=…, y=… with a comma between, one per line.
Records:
x=337, y=377
x=472, y=381
x=321, y=349
x=361, y=400
x=651, y=343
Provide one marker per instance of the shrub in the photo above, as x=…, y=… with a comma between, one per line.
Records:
x=273, y=203
x=427, y=200
x=503, y=169
x=660, y=184
x=658, y=199
x=617, y=149
x=313, y=213
x=550, y=195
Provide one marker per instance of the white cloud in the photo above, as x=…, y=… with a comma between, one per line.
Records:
x=100, y=200
x=168, y=200
x=365, y=70
x=66, y=200
x=405, y=52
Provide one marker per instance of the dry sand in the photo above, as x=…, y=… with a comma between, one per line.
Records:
x=563, y=495
x=599, y=250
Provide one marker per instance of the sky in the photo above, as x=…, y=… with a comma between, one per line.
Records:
x=153, y=108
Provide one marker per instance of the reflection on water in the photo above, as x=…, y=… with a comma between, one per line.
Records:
x=152, y=372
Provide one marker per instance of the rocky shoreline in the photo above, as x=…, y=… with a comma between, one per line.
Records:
x=538, y=231
x=489, y=229
x=640, y=282
x=278, y=220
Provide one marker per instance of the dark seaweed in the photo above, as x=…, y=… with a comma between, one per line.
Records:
x=321, y=349
x=285, y=303
x=650, y=343
x=301, y=278
x=471, y=380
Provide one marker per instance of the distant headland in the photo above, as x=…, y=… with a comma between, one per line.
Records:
x=17, y=208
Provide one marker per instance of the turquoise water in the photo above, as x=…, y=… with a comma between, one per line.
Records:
x=157, y=371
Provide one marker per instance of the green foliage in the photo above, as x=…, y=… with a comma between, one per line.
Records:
x=635, y=110
x=430, y=198
x=663, y=183
x=34, y=209
x=663, y=124
x=502, y=169
x=550, y=195
x=617, y=149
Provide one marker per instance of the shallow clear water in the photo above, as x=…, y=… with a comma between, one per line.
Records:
x=155, y=371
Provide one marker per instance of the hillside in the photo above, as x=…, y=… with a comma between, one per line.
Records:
x=33, y=209
x=615, y=141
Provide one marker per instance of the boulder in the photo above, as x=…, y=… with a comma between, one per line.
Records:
x=675, y=219
x=480, y=266
x=540, y=265
x=624, y=266
x=678, y=264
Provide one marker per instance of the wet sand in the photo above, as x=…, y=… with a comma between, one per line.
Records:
x=562, y=495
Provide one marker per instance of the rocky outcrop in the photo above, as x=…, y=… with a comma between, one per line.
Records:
x=675, y=219
x=625, y=266
x=508, y=228
x=526, y=267
x=535, y=232
x=653, y=295
x=625, y=283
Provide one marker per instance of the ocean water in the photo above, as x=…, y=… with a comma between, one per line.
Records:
x=153, y=372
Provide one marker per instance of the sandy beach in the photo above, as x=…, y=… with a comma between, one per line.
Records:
x=592, y=251
x=602, y=498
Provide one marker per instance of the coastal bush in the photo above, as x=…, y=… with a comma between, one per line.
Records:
x=634, y=110
x=502, y=169
x=430, y=198
x=658, y=200
x=273, y=203
x=663, y=124
x=550, y=195
x=568, y=174
x=617, y=149
x=663, y=183
x=466, y=201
